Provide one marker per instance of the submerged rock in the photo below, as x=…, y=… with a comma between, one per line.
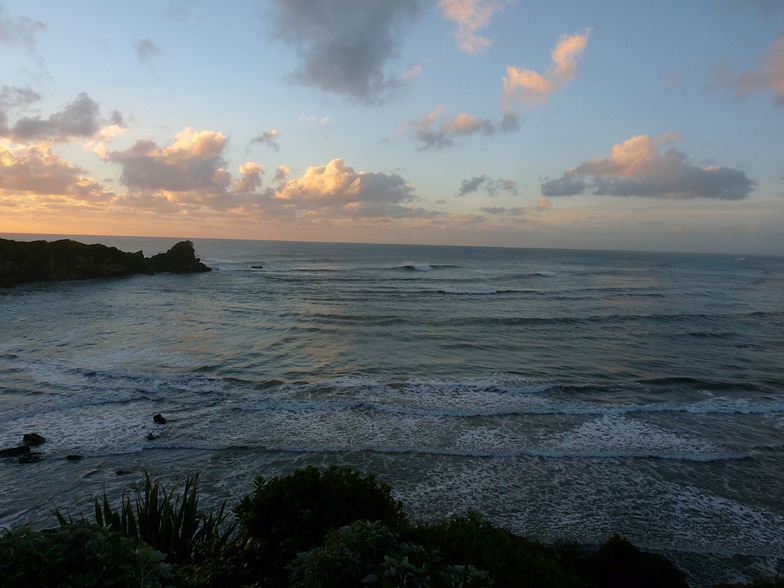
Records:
x=14, y=451
x=65, y=260
x=158, y=418
x=32, y=457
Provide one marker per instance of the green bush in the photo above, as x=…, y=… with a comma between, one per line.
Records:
x=288, y=515
x=78, y=554
x=374, y=555
x=168, y=522
x=509, y=559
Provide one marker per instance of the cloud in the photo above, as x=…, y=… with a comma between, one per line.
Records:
x=543, y=204
x=192, y=173
x=19, y=31
x=314, y=120
x=193, y=163
x=636, y=167
x=146, y=49
x=250, y=178
x=531, y=87
x=282, y=173
x=13, y=97
x=268, y=138
x=338, y=188
x=501, y=210
x=35, y=170
x=344, y=46
x=470, y=16
x=433, y=132
x=411, y=73
x=767, y=76
x=80, y=118
x=490, y=186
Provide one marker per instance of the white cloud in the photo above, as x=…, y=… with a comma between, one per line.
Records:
x=531, y=87
x=342, y=191
x=35, y=172
x=194, y=162
x=470, y=17
x=637, y=167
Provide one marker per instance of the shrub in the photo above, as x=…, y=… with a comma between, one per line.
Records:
x=287, y=515
x=374, y=555
x=78, y=554
x=168, y=522
x=510, y=560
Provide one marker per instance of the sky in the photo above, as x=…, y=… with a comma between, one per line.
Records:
x=598, y=124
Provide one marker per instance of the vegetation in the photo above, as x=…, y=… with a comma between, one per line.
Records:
x=78, y=554
x=313, y=528
x=168, y=522
x=288, y=515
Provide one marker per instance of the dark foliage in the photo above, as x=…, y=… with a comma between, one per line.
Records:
x=313, y=528
x=618, y=564
x=78, y=554
x=169, y=522
x=510, y=560
x=287, y=515
x=374, y=555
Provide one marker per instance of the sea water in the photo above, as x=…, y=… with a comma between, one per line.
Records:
x=561, y=394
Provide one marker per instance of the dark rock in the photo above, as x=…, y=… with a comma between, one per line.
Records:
x=180, y=259
x=74, y=457
x=33, y=439
x=152, y=436
x=32, y=457
x=14, y=451
x=122, y=472
x=257, y=267
x=159, y=419
x=64, y=260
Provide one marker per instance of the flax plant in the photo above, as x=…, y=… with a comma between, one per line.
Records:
x=167, y=521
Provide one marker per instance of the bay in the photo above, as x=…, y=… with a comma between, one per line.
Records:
x=559, y=393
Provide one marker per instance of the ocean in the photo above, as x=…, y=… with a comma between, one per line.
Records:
x=561, y=394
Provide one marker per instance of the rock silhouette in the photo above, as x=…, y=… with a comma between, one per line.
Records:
x=66, y=260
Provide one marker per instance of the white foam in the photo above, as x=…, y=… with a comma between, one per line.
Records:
x=620, y=436
x=459, y=292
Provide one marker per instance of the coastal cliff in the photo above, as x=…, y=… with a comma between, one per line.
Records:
x=66, y=260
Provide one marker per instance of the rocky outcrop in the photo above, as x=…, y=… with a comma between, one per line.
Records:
x=65, y=260
x=180, y=259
